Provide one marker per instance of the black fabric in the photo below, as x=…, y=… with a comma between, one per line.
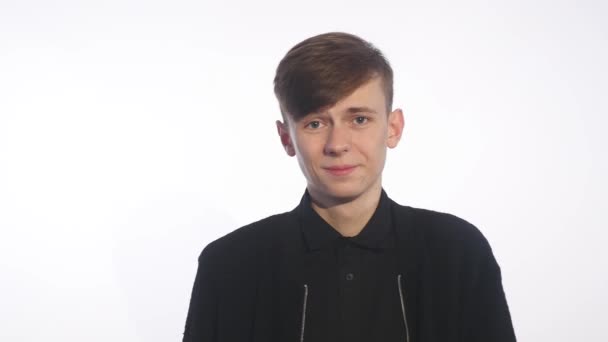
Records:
x=359, y=288
x=251, y=284
x=375, y=234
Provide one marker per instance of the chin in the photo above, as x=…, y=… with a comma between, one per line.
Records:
x=343, y=192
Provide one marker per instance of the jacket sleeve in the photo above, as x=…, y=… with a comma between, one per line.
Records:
x=202, y=313
x=487, y=317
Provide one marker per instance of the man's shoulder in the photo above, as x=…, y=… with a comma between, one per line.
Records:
x=439, y=228
x=447, y=241
x=249, y=240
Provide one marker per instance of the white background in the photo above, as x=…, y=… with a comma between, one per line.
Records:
x=132, y=133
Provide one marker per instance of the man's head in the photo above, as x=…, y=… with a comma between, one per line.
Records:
x=322, y=69
x=335, y=94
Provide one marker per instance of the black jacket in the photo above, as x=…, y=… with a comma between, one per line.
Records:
x=449, y=281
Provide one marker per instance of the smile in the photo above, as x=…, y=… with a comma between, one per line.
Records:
x=340, y=170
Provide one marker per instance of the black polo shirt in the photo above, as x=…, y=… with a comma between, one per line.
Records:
x=356, y=288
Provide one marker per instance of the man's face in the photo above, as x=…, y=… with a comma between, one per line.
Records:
x=342, y=149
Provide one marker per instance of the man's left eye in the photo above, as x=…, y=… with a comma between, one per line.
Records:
x=361, y=119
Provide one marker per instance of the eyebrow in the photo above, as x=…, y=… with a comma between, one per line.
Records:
x=349, y=110
x=352, y=110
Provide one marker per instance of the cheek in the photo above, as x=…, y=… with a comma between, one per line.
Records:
x=307, y=148
x=374, y=147
x=305, y=151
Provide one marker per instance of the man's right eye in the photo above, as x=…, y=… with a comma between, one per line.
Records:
x=314, y=124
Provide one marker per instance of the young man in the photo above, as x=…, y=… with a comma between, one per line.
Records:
x=348, y=263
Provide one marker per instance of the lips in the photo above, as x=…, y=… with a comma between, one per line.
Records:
x=340, y=170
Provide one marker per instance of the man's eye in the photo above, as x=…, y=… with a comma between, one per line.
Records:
x=361, y=120
x=314, y=124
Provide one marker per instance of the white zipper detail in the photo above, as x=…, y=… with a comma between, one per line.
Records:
x=304, y=313
x=407, y=330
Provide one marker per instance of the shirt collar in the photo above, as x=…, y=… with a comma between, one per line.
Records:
x=319, y=234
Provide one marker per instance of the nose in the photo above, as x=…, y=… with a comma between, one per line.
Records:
x=338, y=141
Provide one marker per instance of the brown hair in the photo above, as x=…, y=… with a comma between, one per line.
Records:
x=323, y=69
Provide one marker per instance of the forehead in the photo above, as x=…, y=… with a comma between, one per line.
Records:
x=369, y=94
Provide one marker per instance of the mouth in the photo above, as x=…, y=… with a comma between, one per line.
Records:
x=340, y=170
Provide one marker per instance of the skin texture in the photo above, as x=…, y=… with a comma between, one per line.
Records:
x=356, y=131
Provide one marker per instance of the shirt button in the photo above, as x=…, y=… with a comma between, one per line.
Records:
x=350, y=276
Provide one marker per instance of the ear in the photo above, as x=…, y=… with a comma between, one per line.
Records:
x=395, y=128
x=283, y=131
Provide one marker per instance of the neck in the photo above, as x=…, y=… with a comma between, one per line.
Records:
x=349, y=217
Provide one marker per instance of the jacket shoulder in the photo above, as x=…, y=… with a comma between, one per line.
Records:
x=442, y=230
x=463, y=272
x=247, y=241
